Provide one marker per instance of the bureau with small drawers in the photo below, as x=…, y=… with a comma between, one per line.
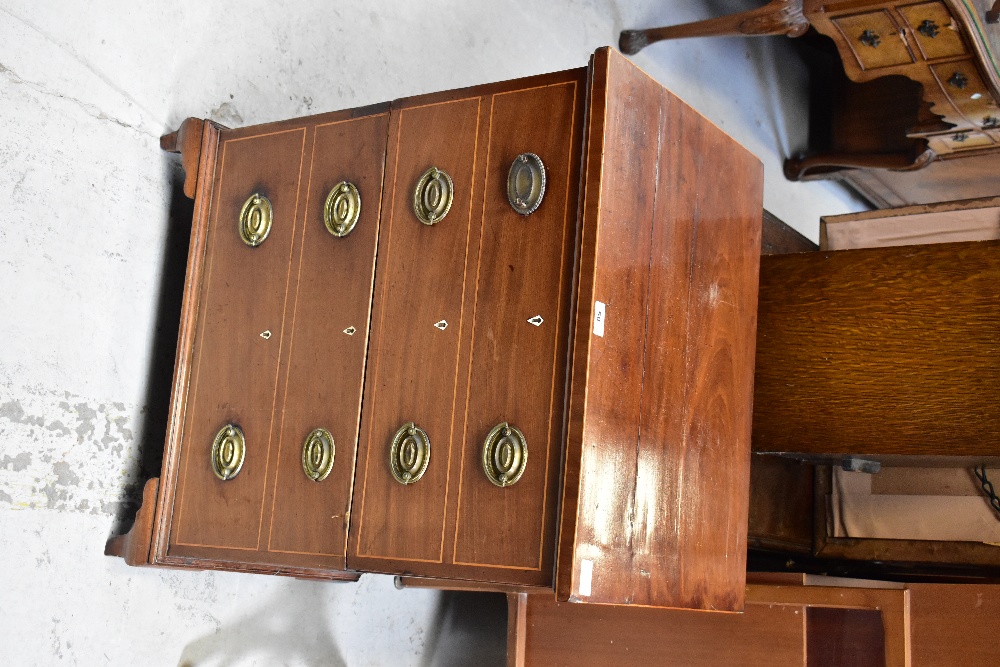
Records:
x=502, y=334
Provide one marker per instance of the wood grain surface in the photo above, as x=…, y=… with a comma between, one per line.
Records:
x=880, y=351
x=518, y=371
x=953, y=624
x=485, y=270
x=235, y=369
x=324, y=374
x=657, y=463
x=225, y=369
x=781, y=504
x=836, y=637
x=777, y=238
x=543, y=632
x=413, y=365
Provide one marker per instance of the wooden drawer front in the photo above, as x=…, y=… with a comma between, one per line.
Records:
x=874, y=39
x=240, y=327
x=327, y=341
x=962, y=84
x=931, y=26
x=959, y=141
x=518, y=368
x=418, y=323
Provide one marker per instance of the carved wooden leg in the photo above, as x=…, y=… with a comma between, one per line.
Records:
x=186, y=141
x=778, y=17
x=993, y=13
x=134, y=545
x=799, y=168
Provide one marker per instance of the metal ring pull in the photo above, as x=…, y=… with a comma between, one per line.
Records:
x=342, y=208
x=433, y=196
x=255, y=219
x=410, y=453
x=318, y=453
x=505, y=454
x=526, y=183
x=228, y=451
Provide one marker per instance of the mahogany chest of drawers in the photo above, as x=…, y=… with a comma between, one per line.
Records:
x=502, y=334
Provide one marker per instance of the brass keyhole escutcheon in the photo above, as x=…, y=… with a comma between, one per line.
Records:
x=526, y=183
x=228, y=451
x=318, y=453
x=342, y=208
x=255, y=220
x=505, y=454
x=409, y=454
x=433, y=196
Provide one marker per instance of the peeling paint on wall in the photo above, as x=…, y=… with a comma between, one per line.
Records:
x=63, y=452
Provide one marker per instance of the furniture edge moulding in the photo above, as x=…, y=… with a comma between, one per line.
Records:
x=194, y=140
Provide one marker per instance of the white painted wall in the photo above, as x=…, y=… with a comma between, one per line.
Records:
x=90, y=277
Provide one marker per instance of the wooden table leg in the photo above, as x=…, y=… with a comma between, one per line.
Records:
x=778, y=17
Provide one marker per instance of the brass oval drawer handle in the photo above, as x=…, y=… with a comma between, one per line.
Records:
x=505, y=454
x=433, y=196
x=410, y=453
x=228, y=451
x=342, y=208
x=318, y=453
x=526, y=183
x=255, y=219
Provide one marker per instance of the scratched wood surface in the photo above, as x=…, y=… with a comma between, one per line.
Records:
x=880, y=351
x=657, y=464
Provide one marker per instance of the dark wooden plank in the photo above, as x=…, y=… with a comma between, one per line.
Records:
x=880, y=351
x=323, y=385
x=777, y=238
x=655, y=509
x=781, y=504
x=837, y=637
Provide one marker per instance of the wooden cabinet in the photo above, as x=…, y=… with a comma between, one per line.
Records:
x=907, y=94
x=561, y=304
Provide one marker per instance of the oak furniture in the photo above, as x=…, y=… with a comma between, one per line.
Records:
x=921, y=95
x=789, y=620
x=502, y=334
x=872, y=356
x=880, y=352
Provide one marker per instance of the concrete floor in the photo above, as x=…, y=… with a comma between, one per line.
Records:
x=91, y=260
